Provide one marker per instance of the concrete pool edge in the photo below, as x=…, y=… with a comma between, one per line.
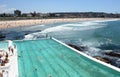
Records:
x=89, y=57
x=13, y=72
x=10, y=69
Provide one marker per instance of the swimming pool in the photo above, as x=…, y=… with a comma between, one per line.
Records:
x=48, y=58
x=4, y=45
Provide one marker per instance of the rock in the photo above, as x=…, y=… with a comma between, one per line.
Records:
x=83, y=48
x=106, y=60
x=114, y=54
x=26, y=33
x=2, y=36
x=80, y=48
x=74, y=46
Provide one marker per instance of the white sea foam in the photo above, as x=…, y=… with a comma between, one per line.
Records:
x=93, y=51
x=107, y=20
x=68, y=27
x=34, y=27
x=80, y=26
x=28, y=37
x=32, y=36
x=71, y=27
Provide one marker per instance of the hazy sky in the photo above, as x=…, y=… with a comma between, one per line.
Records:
x=60, y=5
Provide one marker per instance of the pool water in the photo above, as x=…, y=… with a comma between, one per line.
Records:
x=4, y=45
x=48, y=58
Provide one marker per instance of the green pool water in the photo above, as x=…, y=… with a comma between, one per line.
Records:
x=4, y=45
x=48, y=58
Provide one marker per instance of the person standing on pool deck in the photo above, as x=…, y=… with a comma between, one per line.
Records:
x=10, y=46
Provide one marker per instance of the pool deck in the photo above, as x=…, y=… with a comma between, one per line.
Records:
x=10, y=68
x=13, y=70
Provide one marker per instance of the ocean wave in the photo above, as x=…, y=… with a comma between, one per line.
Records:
x=34, y=36
x=35, y=27
x=108, y=20
x=73, y=27
x=68, y=27
x=87, y=23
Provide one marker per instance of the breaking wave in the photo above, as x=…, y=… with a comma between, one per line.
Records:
x=80, y=26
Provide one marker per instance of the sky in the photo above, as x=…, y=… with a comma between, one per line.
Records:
x=48, y=6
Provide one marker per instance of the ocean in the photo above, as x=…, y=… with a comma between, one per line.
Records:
x=95, y=38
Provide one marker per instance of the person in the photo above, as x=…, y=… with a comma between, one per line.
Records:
x=5, y=73
x=50, y=37
x=1, y=53
x=62, y=55
x=6, y=60
x=46, y=35
x=12, y=50
x=10, y=47
x=6, y=54
x=49, y=75
x=40, y=59
x=1, y=75
x=14, y=46
x=3, y=63
x=10, y=43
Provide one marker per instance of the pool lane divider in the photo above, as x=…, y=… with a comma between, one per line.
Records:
x=89, y=57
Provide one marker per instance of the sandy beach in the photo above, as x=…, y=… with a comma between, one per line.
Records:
x=16, y=23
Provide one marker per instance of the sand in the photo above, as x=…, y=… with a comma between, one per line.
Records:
x=16, y=23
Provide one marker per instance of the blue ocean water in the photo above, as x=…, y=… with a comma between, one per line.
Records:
x=99, y=37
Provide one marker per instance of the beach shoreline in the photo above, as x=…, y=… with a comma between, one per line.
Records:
x=17, y=23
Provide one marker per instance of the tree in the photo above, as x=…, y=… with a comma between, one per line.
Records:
x=17, y=13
